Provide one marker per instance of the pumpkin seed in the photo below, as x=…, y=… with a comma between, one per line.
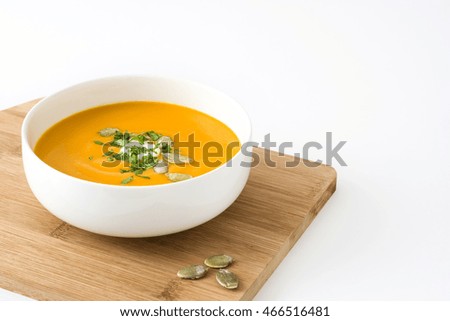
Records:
x=105, y=132
x=227, y=279
x=192, y=272
x=218, y=261
x=176, y=158
x=177, y=177
x=161, y=167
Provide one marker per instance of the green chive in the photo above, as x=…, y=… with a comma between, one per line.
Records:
x=98, y=142
x=127, y=180
x=119, y=142
x=140, y=138
x=153, y=136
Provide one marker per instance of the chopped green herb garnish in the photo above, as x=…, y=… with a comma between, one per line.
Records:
x=91, y=157
x=139, y=152
x=133, y=159
x=117, y=156
x=165, y=148
x=118, y=142
x=127, y=180
x=140, y=138
x=153, y=136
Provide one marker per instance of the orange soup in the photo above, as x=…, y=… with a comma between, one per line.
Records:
x=137, y=143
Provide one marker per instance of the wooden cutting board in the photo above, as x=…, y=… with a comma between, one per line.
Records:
x=46, y=259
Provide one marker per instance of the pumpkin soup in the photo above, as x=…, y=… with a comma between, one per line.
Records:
x=137, y=143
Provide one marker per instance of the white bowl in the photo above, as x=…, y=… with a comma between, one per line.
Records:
x=135, y=211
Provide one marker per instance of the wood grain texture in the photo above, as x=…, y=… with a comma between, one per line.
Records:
x=44, y=258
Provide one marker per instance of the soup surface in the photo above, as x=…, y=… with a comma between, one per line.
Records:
x=137, y=143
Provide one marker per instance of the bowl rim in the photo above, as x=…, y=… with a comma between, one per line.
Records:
x=28, y=116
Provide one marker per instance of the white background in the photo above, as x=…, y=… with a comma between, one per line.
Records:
x=375, y=73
